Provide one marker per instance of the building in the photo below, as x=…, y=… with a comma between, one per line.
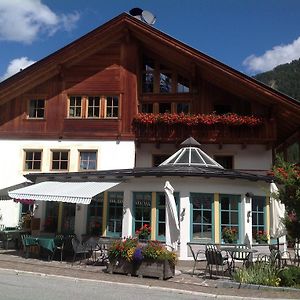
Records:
x=125, y=96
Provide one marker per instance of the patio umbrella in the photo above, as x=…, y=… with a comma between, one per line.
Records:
x=277, y=228
x=172, y=225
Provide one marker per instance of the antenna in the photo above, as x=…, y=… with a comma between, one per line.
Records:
x=143, y=15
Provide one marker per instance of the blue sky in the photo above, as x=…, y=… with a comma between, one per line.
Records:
x=251, y=36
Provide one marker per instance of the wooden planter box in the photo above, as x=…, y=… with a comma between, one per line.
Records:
x=121, y=266
x=147, y=268
x=157, y=269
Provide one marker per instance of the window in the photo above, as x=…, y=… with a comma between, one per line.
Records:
x=230, y=211
x=115, y=214
x=37, y=108
x=89, y=107
x=201, y=206
x=293, y=153
x=60, y=160
x=112, y=107
x=183, y=85
x=88, y=160
x=51, y=216
x=164, y=108
x=148, y=75
x=258, y=220
x=142, y=209
x=75, y=107
x=33, y=160
x=93, y=107
x=147, y=108
x=68, y=218
x=182, y=108
x=95, y=216
x=161, y=214
x=165, y=81
x=226, y=161
x=157, y=77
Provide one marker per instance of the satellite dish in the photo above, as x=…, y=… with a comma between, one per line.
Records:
x=148, y=17
x=143, y=15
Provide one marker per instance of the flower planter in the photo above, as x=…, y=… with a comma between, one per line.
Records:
x=157, y=269
x=121, y=266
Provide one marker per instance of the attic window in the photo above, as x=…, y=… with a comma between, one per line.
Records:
x=37, y=108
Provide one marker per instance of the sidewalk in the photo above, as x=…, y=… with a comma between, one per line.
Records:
x=183, y=279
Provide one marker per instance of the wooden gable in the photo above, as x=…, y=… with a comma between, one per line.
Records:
x=108, y=61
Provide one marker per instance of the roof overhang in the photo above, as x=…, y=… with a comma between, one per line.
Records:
x=4, y=192
x=70, y=192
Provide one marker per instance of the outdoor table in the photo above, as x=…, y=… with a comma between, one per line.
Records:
x=47, y=243
x=11, y=234
x=233, y=251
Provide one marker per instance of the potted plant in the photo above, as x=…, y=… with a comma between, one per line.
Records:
x=120, y=256
x=229, y=235
x=261, y=237
x=149, y=259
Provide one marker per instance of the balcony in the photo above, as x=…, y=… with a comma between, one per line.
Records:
x=219, y=132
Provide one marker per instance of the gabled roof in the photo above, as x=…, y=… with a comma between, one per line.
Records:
x=287, y=109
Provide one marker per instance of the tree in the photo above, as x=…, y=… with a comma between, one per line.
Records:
x=288, y=177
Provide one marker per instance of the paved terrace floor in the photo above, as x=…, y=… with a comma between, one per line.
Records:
x=183, y=280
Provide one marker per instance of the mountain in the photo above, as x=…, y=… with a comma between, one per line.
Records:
x=284, y=78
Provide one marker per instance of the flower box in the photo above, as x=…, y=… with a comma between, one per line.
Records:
x=158, y=269
x=121, y=266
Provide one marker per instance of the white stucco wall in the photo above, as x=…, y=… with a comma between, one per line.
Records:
x=111, y=155
x=185, y=186
x=252, y=157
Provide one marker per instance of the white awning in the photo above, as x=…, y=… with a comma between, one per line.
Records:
x=71, y=192
x=4, y=192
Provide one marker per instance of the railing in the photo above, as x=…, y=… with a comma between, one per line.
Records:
x=224, y=134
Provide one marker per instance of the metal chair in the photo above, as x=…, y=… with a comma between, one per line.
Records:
x=59, y=246
x=196, y=256
x=79, y=249
x=214, y=258
x=297, y=252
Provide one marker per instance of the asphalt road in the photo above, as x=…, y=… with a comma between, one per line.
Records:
x=25, y=286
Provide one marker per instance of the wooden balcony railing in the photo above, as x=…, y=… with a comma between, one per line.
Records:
x=265, y=133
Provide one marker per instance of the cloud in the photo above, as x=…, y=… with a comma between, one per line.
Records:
x=23, y=21
x=278, y=55
x=16, y=65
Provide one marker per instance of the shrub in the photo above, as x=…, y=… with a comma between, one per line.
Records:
x=259, y=273
x=290, y=276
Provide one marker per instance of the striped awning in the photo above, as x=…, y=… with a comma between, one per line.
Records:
x=71, y=192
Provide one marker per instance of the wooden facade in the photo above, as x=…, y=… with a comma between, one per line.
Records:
x=110, y=62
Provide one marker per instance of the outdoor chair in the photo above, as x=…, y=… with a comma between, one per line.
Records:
x=277, y=257
x=79, y=249
x=243, y=257
x=59, y=246
x=215, y=258
x=297, y=252
x=196, y=256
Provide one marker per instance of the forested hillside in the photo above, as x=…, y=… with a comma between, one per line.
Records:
x=284, y=78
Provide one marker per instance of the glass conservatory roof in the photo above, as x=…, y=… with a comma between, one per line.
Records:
x=191, y=155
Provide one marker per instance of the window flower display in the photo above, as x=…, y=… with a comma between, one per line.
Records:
x=230, y=119
x=261, y=237
x=144, y=232
x=229, y=235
